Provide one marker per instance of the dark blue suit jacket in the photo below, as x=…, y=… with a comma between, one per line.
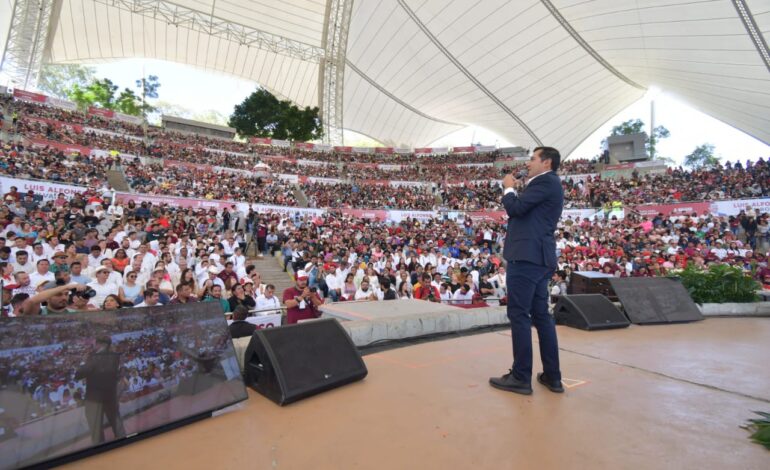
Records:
x=532, y=217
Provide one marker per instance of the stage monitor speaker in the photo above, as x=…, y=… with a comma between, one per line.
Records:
x=292, y=362
x=588, y=312
x=650, y=300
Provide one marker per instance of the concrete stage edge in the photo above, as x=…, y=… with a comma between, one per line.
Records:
x=369, y=322
x=645, y=397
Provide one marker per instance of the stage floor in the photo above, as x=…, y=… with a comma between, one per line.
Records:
x=668, y=396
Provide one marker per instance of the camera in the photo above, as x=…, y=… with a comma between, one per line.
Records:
x=86, y=294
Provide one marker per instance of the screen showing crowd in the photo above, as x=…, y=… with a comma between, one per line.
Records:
x=71, y=382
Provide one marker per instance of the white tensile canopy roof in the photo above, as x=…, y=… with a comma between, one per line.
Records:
x=537, y=72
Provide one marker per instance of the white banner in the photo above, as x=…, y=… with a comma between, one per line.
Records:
x=63, y=104
x=363, y=150
x=228, y=152
x=578, y=178
x=408, y=184
x=105, y=132
x=318, y=179
x=290, y=178
x=263, y=321
x=485, y=148
x=280, y=143
x=389, y=167
x=398, y=216
x=314, y=163
x=47, y=189
x=124, y=156
x=126, y=118
x=402, y=151
x=323, y=147
x=727, y=208
x=475, y=164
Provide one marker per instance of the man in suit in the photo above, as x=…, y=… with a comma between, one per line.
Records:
x=533, y=210
x=102, y=373
x=240, y=328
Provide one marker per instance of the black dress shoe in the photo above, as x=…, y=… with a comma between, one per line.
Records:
x=510, y=384
x=555, y=387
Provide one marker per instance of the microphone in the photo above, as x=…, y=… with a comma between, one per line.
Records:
x=521, y=174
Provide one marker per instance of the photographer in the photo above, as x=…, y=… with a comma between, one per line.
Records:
x=56, y=299
x=80, y=300
x=301, y=303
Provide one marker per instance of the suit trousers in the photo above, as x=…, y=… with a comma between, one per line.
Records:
x=527, y=285
x=96, y=411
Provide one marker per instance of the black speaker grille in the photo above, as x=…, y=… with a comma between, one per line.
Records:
x=321, y=353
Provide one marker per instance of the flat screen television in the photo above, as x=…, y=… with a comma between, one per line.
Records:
x=75, y=384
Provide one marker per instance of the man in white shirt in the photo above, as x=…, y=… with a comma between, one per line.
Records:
x=463, y=295
x=268, y=303
x=114, y=276
x=22, y=263
x=364, y=292
x=102, y=286
x=41, y=274
x=96, y=257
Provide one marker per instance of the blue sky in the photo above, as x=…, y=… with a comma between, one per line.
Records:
x=200, y=90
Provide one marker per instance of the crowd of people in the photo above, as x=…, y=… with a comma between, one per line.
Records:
x=144, y=254
x=156, y=178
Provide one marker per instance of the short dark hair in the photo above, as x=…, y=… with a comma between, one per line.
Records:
x=550, y=153
x=240, y=313
x=150, y=291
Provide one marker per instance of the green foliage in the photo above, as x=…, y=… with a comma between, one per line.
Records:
x=100, y=93
x=719, y=284
x=261, y=114
x=635, y=126
x=760, y=429
x=632, y=126
x=702, y=157
x=57, y=80
x=128, y=103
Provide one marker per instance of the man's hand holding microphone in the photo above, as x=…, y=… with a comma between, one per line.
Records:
x=515, y=181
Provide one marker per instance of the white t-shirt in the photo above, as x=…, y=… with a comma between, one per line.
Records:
x=102, y=291
x=264, y=304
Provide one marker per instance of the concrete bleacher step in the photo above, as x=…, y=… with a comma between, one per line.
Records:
x=118, y=181
x=272, y=272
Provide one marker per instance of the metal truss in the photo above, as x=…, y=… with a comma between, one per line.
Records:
x=206, y=23
x=332, y=70
x=754, y=32
x=27, y=38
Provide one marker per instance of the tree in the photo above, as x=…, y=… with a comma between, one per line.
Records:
x=702, y=157
x=128, y=103
x=58, y=80
x=99, y=93
x=149, y=87
x=263, y=115
x=635, y=126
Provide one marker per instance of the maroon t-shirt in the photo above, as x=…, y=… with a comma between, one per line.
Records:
x=293, y=315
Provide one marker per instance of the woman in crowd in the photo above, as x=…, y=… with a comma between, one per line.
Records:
x=120, y=261
x=349, y=288
x=111, y=302
x=239, y=297
x=130, y=290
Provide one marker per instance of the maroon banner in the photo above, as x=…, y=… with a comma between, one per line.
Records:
x=29, y=96
x=685, y=208
x=470, y=149
x=343, y=149
x=304, y=145
x=376, y=182
x=261, y=140
x=66, y=148
x=384, y=150
x=106, y=113
x=423, y=150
